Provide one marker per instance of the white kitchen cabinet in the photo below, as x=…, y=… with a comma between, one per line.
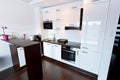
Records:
x=93, y=1
x=48, y=49
x=21, y=56
x=47, y=14
x=57, y=52
x=63, y=15
x=72, y=14
x=58, y=18
x=94, y=25
x=52, y=50
x=89, y=61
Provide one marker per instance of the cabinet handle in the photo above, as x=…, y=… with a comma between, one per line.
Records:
x=94, y=0
x=71, y=24
x=77, y=52
x=84, y=52
x=57, y=9
x=47, y=19
x=57, y=19
x=74, y=7
x=57, y=28
x=46, y=11
x=21, y=49
x=85, y=47
x=56, y=45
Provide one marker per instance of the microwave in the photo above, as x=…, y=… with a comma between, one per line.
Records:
x=47, y=25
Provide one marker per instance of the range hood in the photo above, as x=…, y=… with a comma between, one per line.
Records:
x=76, y=27
x=72, y=28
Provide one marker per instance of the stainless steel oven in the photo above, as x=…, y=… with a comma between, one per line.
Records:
x=67, y=54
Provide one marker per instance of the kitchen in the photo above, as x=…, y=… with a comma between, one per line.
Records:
x=105, y=46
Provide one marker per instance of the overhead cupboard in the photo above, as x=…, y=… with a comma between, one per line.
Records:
x=64, y=15
x=93, y=1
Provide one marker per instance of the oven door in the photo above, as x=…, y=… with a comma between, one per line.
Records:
x=68, y=55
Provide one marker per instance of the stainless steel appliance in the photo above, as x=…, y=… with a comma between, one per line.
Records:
x=47, y=25
x=67, y=53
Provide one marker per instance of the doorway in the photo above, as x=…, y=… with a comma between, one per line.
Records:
x=114, y=68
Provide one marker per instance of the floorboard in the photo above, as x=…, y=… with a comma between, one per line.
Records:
x=51, y=71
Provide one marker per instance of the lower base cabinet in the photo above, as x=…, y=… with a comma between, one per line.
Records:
x=52, y=50
x=48, y=49
x=89, y=61
x=57, y=52
x=86, y=60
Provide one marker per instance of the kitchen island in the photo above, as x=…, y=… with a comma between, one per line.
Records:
x=32, y=57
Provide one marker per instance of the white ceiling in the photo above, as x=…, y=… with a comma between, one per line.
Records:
x=46, y=3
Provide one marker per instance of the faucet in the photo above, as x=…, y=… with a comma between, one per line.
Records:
x=54, y=39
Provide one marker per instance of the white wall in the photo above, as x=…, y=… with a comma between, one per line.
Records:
x=19, y=18
x=37, y=12
x=114, y=12
x=71, y=35
x=5, y=56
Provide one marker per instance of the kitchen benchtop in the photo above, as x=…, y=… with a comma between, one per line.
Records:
x=21, y=42
x=69, y=43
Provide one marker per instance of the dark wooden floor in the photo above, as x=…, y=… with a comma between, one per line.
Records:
x=51, y=71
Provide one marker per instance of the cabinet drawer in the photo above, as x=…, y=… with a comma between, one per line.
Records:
x=88, y=47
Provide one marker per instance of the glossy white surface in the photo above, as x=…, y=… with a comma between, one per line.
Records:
x=21, y=56
x=48, y=49
x=5, y=56
x=94, y=25
x=112, y=23
x=86, y=2
x=90, y=61
x=63, y=15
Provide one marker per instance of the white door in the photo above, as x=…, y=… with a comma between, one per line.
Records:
x=21, y=56
x=94, y=24
x=48, y=49
x=57, y=52
x=47, y=14
x=89, y=61
x=72, y=14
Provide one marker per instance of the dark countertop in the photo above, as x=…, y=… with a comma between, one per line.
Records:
x=21, y=42
x=69, y=43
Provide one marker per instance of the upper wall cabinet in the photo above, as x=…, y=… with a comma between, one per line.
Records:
x=94, y=26
x=47, y=14
x=63, y=15
x=72, y=15
x=93, y=1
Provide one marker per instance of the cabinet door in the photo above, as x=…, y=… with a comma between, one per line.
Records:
x=93, y=1
x=72, y=14
x=58, y=18
x=47, y=14
x=57, y=52
x=48, y=49
x=94, y=24
x=21, y=56
x=77, y=58
x=89, y=61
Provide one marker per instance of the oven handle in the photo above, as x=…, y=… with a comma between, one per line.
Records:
x=70, y=51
